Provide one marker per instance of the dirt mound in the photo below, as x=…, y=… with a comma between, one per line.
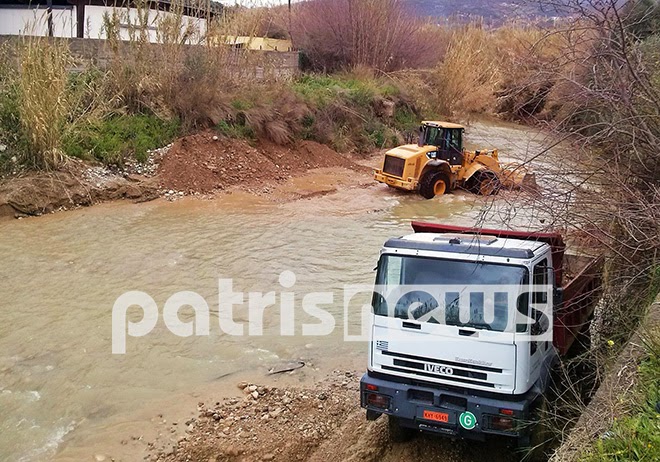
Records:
x=200, y=163
x=205, y=162
x=323, y=423
x=267, y=423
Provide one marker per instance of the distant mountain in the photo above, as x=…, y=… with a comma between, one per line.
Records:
x=491, y=11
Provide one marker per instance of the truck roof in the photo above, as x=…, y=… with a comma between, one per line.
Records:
x=467, y=244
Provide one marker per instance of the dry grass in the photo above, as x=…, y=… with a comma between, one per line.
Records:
x=45, y=104
x=177, y=80
x=470, y=72
x=495, y=71
x=53, y=102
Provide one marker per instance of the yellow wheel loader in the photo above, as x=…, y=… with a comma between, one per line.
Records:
x=437, y=164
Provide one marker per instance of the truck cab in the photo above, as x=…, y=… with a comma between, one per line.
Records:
x=461, y=338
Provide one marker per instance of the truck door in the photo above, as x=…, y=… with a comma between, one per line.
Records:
x=541, y=275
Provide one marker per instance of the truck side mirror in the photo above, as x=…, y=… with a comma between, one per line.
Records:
x=558, y=296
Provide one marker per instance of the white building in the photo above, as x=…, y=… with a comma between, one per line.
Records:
x=89, y=18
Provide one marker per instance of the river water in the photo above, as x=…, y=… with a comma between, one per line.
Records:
x=61, y=274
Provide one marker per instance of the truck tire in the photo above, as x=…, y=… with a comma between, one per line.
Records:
x=434, y=183
x=398, y=434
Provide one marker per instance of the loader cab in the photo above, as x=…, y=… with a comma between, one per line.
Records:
x=448, y=138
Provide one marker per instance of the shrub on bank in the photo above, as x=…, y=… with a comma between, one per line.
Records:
x=194, y=88
x=12, y=142
x=348, y=112
x=113, y=139
x=636, y=436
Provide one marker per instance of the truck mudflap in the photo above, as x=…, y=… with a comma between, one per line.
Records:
x=446, y=412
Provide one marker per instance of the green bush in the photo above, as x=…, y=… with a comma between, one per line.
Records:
x=321, y=90
x=405, y=120
x=636, y=437
x=113, y=139
x=377, y=136
x=11, y=135
x=241, y=104
x=235, y=130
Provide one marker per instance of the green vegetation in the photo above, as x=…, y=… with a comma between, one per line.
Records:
x=636, y=437
x=112, y=139
x=321, y=90
x=130, y=108
x=236, y=129
x=10, y=123
x=356, y=111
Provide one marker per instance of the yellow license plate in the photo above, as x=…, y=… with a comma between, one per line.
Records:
x=436, y=416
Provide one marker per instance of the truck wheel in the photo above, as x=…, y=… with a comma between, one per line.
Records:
x=540, y=435
x=398, y=434
x=434, y=184
x=487, y=183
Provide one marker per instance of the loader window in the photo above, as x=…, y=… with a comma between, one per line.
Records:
x=453, y=138
x=451, y=147
x=435, y=291
x=432, y=136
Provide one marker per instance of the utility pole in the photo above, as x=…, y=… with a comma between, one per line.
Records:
x=49, y=17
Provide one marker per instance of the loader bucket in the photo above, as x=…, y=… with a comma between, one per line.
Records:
x=517, y=176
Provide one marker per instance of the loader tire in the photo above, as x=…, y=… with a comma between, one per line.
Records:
x=487, y=183
x=434, y=184
x=398, y=434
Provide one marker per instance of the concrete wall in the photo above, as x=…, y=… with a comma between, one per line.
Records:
x=33, y=21
x=244, y=63
x=258, y=43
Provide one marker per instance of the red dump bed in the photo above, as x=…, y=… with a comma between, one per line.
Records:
x=579, y=294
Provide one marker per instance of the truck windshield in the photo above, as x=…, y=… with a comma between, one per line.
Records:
x=456, y=293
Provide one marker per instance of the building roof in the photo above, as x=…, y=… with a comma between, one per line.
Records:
x=190, y=7
x=441, y=124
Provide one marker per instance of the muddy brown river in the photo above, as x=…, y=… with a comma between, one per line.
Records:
x=63, y=392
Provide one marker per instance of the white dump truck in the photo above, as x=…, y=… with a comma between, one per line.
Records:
x=466, y=327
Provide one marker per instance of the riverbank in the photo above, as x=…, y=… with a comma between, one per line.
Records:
x=620, y=422
x=329, y=238
x=203, y=164
x=315, y=421
x=323, y=422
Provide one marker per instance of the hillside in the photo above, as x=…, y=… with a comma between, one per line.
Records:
x=491, y=11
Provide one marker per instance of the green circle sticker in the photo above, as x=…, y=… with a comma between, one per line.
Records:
x=467, y=420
